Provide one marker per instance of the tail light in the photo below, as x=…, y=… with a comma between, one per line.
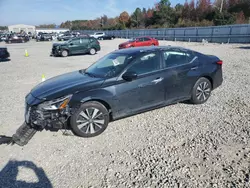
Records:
x=219, y=62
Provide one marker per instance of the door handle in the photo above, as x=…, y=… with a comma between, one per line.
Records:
x=194, y=68
x=157, y=80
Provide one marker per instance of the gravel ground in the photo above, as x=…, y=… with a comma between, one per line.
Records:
x=180, y=145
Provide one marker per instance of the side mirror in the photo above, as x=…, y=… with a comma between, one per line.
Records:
x=71, y=44
x=129, y=76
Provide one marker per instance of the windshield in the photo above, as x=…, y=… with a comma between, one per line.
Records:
x=110, y=65
x=132, y=40
x=68, y=41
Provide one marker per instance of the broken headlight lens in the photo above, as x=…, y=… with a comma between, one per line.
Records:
x=56, y=104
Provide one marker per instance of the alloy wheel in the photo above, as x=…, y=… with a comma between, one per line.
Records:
x=203, y=91
x=90, y=121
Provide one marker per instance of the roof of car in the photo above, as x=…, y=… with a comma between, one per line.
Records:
x=149, y=49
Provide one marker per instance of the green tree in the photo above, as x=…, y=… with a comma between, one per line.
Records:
x=136, y=18
x=164, y=14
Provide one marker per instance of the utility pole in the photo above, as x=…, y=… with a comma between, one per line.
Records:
x=221, y=6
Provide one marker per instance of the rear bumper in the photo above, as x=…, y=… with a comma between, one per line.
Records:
x=217, y=79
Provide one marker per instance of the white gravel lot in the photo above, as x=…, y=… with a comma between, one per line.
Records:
x=180, y=145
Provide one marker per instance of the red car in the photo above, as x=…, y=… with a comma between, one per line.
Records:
x=139, y=41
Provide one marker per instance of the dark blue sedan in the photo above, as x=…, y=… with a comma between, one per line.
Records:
x=122, y=83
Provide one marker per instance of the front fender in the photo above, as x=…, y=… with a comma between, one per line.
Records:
x=105, y=95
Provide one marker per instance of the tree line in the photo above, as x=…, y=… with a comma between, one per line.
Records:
x=162, y=15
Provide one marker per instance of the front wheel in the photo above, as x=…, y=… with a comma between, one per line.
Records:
x=201, y=91
x=90, y=120
x=65, y=53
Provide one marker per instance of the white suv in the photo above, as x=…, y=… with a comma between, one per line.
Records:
x=98, y=34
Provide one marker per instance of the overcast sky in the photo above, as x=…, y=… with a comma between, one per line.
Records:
x=37, y=12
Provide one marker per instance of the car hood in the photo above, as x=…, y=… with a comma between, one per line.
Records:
x=59, y=44
x=65, y=84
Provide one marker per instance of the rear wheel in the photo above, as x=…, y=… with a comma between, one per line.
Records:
x=201, y=91
x=92, y=51
x=90, y=120
x=65, y=53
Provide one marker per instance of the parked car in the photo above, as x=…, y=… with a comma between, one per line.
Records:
x=106, y=37
x=3, y=37
x=138, y=42
x=17, y=39
x=4, y=54
x=66, y=37
x=44, y=37
x=120, y=84
x=98, y=34
x=78, y=45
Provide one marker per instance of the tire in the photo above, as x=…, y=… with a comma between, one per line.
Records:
x=152, y=44
x=201, y=91
x=90, y=120
x=92, y=51
x=65, y=53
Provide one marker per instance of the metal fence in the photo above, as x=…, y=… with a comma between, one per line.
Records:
x=215, y=34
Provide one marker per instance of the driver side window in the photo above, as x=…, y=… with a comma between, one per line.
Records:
x=147, y=63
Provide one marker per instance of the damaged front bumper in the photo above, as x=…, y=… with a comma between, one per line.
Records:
x=38, y=119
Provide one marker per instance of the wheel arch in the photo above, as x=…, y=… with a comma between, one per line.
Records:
x=67, y=49
x=210, y=79
x=103, y=102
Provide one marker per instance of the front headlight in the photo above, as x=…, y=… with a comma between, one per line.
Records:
x=56, y=104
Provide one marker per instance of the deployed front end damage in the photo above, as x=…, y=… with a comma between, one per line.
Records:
x=40, y=115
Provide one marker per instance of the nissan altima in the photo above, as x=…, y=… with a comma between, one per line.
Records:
x=122, y=83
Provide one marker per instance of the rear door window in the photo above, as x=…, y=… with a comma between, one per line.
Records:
x=146, y=39
x=176, y=58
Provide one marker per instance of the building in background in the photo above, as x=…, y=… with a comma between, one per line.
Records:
x=30, y=28
x=21, y=27
x=51, y=30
